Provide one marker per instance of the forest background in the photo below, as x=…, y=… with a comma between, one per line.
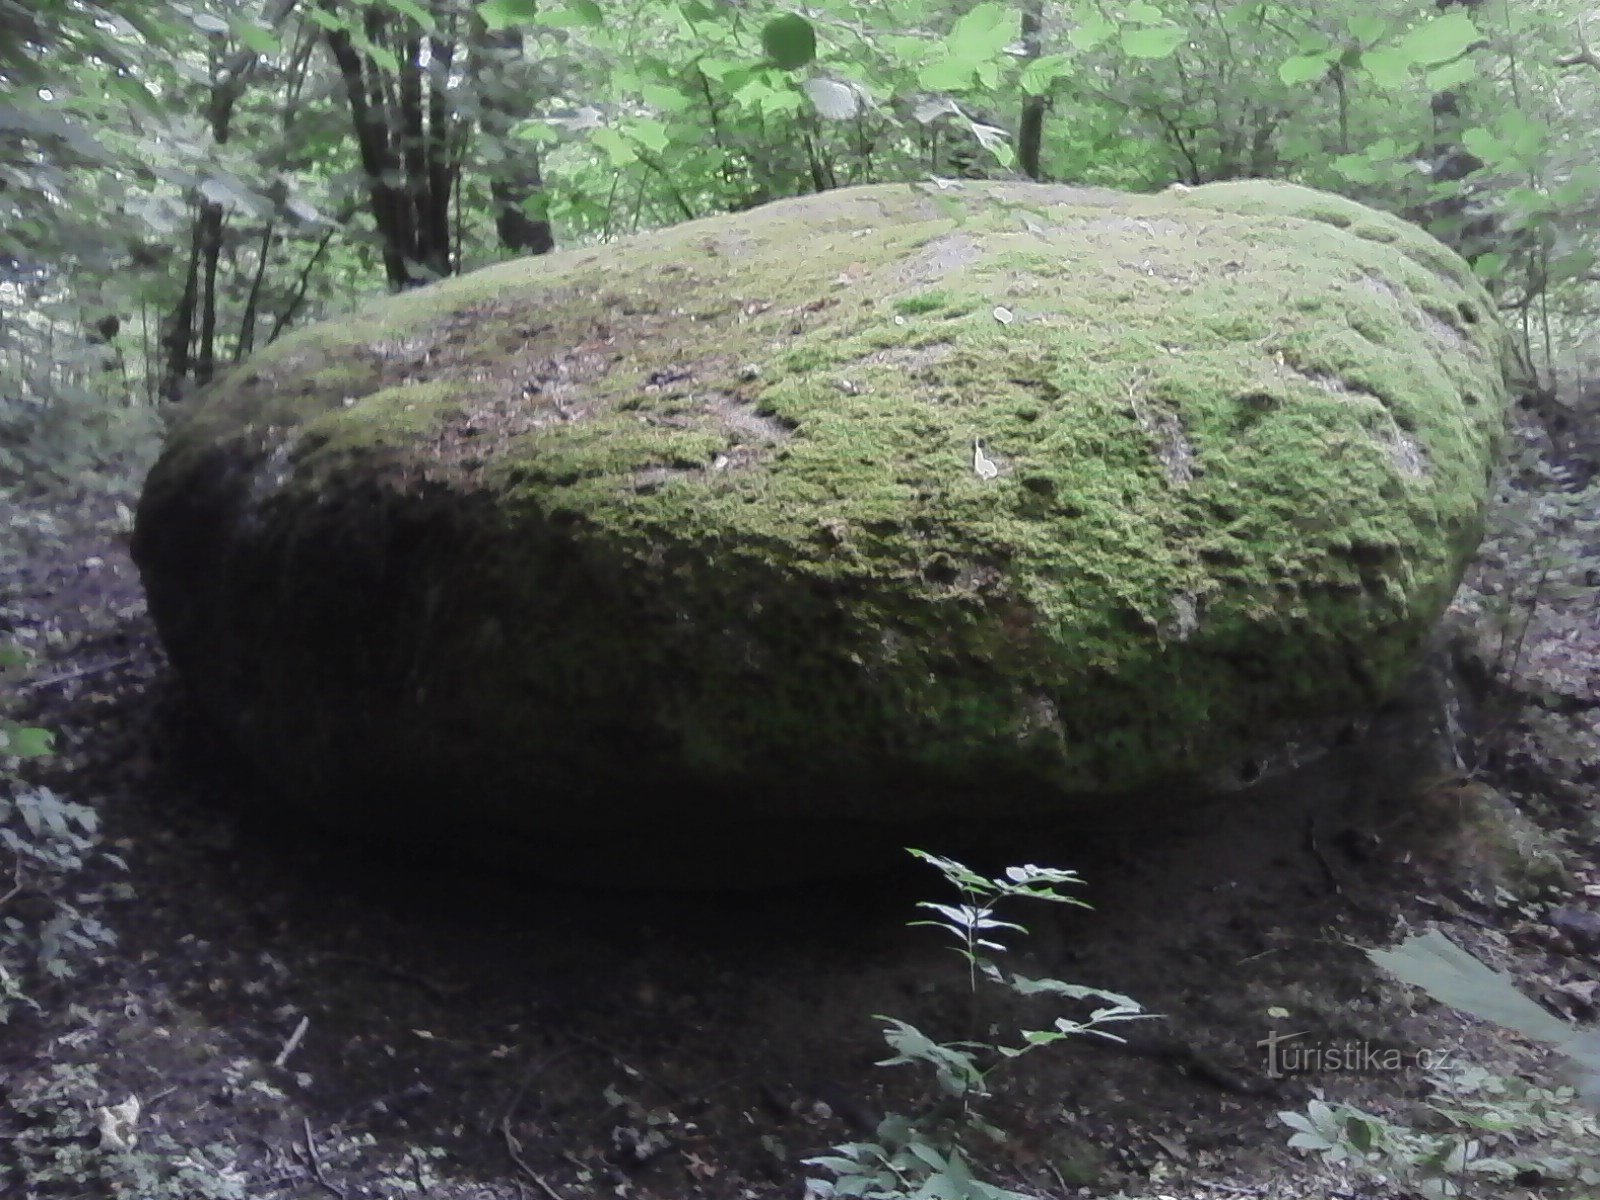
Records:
x=181, y=183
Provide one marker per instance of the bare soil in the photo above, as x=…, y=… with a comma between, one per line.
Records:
x=298, y=1014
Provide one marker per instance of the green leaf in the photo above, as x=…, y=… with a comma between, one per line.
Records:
x=993, y=139
x=1303, y=68
x=907, y=51
x=1527, y=203
x=1038, y=75
x=536, y=131
x=790, y=41
x=1490, y=266
x=1444, y=38
x=1585, y=179
x=381, y=55
x=333, y=23
x=1367, y=28
x=1141, y=12
x=718, y=68
x=652, y=135
x=781, y=102
x=947, y=75
x=618, y=149
x=1158, y=42
x=588, y=13
x=1464, y=70
x=502, y=14
x=25, y=742
x=1451, y=976
x=664, y=99
x=1356, y=168
x=1241, y=15
x=1388, y=66
x=414, y=11
x=1525, y=135
x=1483, y=143
x=1093, y=32
x=1571, y=265
x=135, y=93
x=928, y=1156
x=1359, y=1132
x=254, y=36
x=985, y=31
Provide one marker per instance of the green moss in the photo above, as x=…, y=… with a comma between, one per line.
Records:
x=718, y=496
x=926, y=302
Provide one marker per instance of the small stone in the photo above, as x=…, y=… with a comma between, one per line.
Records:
x=1580, y=925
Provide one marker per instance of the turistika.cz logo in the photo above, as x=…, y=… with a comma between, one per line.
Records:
x=1291, y=1054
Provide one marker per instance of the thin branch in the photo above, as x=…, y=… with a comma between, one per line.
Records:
x=293, y=1044
x=16, y=885
x=316, y=1162
x=67, y=676
x=1585, y=56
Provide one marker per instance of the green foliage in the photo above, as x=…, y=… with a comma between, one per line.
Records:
x=71, y=1141
x=47, y=843
x=790, y=41
x=928, y=1157
x=18, y=740
x=138, y=132
x=1480, y=1135
x=1482, y=1131
x=501, y=14
x=904, y=1160
x=1545, y=520
x=1450, y=975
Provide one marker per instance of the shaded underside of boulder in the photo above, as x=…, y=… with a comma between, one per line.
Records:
x=689, y=532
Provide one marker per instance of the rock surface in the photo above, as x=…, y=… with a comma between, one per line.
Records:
x=892, y=503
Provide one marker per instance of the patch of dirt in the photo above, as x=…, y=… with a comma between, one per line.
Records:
x=297, y=1014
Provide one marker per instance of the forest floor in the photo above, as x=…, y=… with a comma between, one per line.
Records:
x=207, y=1000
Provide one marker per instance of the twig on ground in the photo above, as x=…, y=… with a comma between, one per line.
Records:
x=16, y=884
x=514, y=1149
x=528, y=1077
x=1314, y=845
x=34, y=685
x=316, y=1162
x=293, y=1043
x=1060, y=1179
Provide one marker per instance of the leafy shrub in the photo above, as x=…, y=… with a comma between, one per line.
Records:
x=49, y=842
x=928, y=1157
x=1484, y=1129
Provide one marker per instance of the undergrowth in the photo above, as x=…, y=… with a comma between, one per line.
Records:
x=1480, y=1134
x=929, y=1155
x=46, y=845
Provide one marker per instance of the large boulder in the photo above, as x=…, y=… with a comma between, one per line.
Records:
x=885, y=504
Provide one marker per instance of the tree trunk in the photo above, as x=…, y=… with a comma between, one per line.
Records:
x=229, y=79
x=178, y=336
x=1030, y=127
x=515, y=183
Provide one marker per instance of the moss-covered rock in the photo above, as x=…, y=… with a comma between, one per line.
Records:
x=694, y=531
